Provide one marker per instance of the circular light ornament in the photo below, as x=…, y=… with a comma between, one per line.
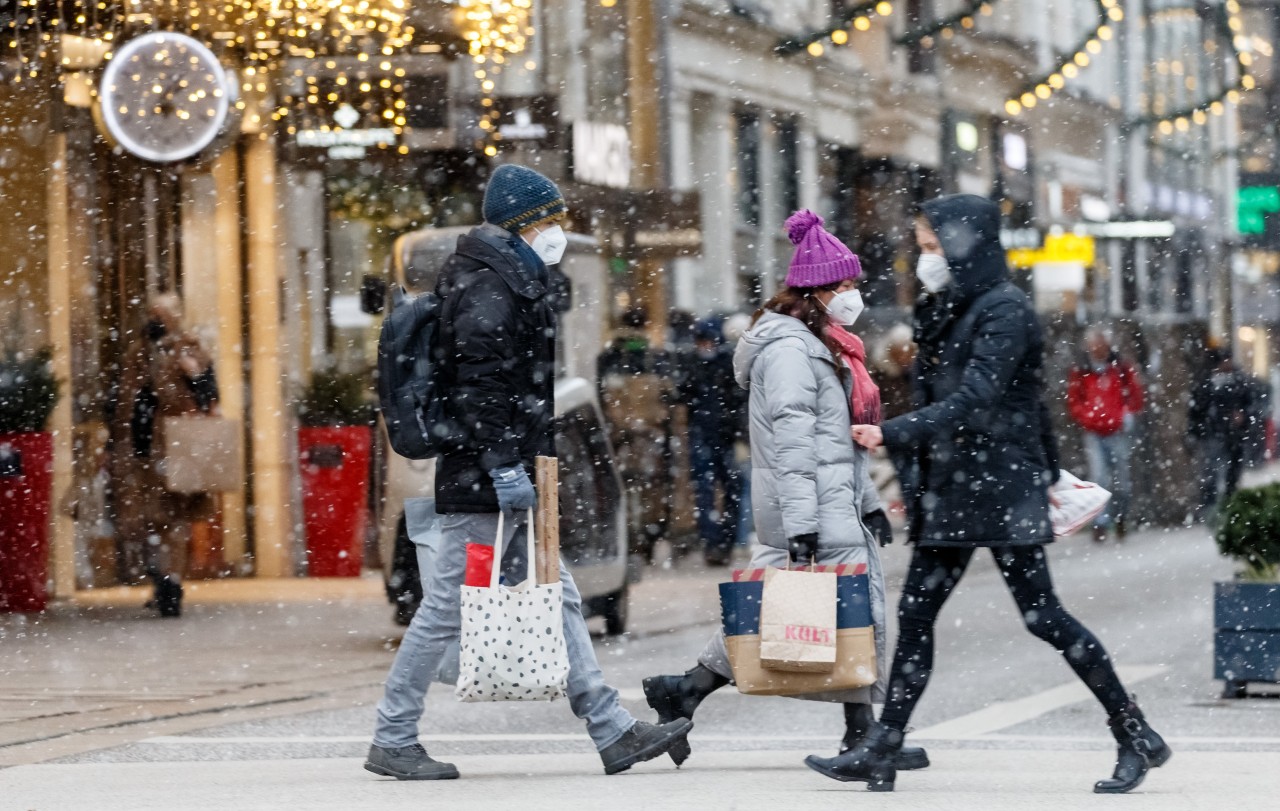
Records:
x=163, y=97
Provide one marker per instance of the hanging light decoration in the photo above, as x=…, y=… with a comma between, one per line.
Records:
x=965, y=18
x=38, y=36
x=855, y=18
x=494, y=30
x=1228, y=28
x=1070, y=64
x=335, y=68
x=255, y=36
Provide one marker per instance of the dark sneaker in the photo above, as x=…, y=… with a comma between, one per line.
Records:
x=643, y=742
x=409, y=763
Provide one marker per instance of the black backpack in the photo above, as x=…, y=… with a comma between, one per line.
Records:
x=412, y=408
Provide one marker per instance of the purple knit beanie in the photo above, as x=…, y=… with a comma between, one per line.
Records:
x=820, y=258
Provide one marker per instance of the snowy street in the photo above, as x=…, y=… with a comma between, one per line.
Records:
x=263, y=699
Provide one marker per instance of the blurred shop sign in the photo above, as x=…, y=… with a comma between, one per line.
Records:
x=522, y=127
x=1258, y=209
x=665, y=225
x=601, y=154
x=1128, y=229
x=650, y=224
x=1012, y=238
x=1058, y=277
x=529, y=120
x=1059, y=249
x=345, y=141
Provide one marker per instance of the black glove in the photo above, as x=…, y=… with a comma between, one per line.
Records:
x=879, y=525
x=803, y=548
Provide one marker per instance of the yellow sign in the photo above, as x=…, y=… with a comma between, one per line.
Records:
x=1057, y=248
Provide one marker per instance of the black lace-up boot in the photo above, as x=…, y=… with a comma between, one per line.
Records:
x=870, y=762
x=675, y=697
x=1140, y=750
x=858, y=719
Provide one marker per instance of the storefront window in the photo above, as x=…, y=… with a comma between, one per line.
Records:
x=788, y=167
x=748, y=143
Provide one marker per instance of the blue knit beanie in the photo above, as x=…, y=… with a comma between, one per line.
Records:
x=518, y=197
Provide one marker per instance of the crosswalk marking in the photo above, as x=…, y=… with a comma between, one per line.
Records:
x=1005, y=714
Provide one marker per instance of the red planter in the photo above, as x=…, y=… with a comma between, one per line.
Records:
x=26, y=487
x=335, y=495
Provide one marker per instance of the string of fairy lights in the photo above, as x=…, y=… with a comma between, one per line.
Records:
x=255, y=31
x=1228, y=24
x=337, y=51
x=495, y=31
x=1069, y=65
x=1230, y=29
x=945, y=27
x=859, y=17
x=351, y=40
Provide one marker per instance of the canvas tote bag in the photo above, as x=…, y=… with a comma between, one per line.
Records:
x=798, y=621
x=512, y=641
x=201, y=454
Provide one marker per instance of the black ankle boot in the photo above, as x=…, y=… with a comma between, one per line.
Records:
x=675, y=697
x=1140, y=750
x=870, y=762
x=858, y=719
x=168, y=595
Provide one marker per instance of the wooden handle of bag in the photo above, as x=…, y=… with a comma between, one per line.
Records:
x=547, y=480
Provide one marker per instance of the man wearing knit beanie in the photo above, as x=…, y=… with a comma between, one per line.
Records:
x=518, y=198
x=495, y=370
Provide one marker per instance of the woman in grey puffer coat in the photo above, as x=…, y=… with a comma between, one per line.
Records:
x=811, y=488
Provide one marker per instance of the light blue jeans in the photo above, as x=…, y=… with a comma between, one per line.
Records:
x=429, y=649
x=1109, y=459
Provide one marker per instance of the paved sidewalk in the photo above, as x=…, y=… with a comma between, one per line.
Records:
x=99, y=669
x=960, y=780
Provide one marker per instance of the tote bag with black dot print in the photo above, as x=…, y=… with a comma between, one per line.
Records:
x=513, y=646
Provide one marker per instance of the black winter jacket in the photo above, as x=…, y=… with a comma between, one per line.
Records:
x=1221, y=407
x=980, y=434
x=716, y=403
x=497, y=366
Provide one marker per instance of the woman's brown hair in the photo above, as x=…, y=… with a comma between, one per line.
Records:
x=801, y=303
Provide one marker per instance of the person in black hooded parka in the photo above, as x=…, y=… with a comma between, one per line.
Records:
x=986, y=456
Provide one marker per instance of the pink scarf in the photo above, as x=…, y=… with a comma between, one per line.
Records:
x=864, y=405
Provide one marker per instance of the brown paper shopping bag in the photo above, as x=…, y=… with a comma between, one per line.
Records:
x=798, y=621
x=855, y=667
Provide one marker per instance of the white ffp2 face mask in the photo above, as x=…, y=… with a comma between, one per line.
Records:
x=844, y=308
x=550, y=244
x=933, y=272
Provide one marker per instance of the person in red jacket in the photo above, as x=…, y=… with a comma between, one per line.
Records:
x=1104, y=395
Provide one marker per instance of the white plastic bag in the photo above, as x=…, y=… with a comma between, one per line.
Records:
x=512, y=641
x=1074, y=502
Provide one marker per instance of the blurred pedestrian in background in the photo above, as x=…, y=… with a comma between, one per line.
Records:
x=168, y=374
x=1218, y=419
x=813, y=495
x=894, y=358
x=1104, y=397
x=637, y=393
x=895, y=353
x=987, y=457
x=733, y=328
x=713, y=399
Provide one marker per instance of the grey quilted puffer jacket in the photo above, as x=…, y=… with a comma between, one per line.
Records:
x=807, y=475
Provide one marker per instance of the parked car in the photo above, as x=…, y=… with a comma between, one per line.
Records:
x=593, y=527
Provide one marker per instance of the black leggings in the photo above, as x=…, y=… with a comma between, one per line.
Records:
x=933, y=575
